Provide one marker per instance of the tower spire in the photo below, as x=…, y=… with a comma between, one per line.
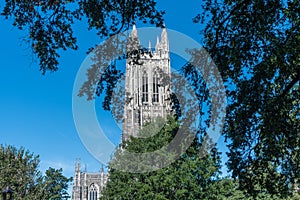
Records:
x=77, y=165
x=164, y=39
x=134, y=31
x=157, y=44
x=149, y=47
x=133, y=41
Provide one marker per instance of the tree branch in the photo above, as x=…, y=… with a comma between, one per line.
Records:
x=290, y=85
x=240, y=5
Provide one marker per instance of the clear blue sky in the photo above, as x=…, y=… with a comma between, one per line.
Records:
x=36, y=110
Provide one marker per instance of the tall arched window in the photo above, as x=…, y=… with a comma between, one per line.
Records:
x=145, y=88
x=93, y=192
x=155, y=88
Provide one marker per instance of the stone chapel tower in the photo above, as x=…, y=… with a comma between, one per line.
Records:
x=148, y=88
x=147, y=96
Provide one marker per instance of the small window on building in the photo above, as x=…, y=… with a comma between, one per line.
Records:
x=145, y=88
x=155, y=88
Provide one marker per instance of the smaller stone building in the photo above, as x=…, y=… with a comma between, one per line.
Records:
x=88, y=185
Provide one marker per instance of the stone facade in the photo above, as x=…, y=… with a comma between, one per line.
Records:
x=147, y=96
x=88, y=186
x=147, y=85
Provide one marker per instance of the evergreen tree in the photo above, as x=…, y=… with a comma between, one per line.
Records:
x=55, y=185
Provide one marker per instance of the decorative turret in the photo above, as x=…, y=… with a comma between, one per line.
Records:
x=164, y=40
x=149, y=47
x=157, y=46
x=162, y=46
x=77, y=165
x=76, y=185
x=134, y=32
x=133, y=43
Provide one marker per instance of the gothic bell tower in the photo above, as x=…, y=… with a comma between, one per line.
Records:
x=147, y=83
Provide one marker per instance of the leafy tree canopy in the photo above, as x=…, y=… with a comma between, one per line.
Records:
x=19, y=171
x=49, y=22
x=189, y=177
x=256, y=46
